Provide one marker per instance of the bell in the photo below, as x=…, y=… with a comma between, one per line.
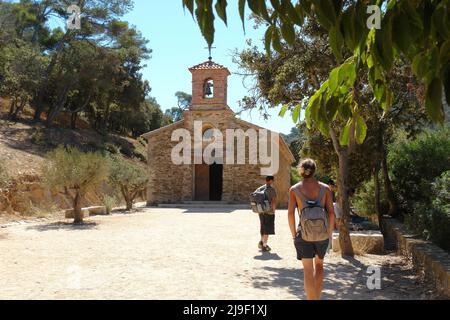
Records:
x=208, y=91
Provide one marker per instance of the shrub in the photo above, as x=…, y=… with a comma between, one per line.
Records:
x=416, y=164
x=432, y=219
x=364, y=200
x=112, y=148
x=4, y=177
x=70, y=169
x=129, y=178
x=109, y=203
x=295, y=176
x=39, y=138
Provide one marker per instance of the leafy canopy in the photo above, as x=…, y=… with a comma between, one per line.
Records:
x=418, y=30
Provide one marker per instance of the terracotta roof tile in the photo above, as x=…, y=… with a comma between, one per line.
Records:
x=208, y=65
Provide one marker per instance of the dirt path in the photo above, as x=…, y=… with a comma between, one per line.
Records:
x=178, y=254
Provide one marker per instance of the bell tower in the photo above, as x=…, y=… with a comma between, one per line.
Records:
x=209, y=86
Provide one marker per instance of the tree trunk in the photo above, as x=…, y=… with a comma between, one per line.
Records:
x=73, y=120
x=344, y=204
x=12, y=107
x=77, y=213
x=129, y=204
x=19, y=109
x=376, y=182
x=39, y=101
x=387, y=182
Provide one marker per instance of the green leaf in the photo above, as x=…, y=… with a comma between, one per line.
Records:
x=348, y=28
x=402, y=32
x=334, y=79
x=268, y=39
x=433, y=101
x=242, y=13
x=190, y=5
x=336, y=42
x=312, y=109
x=283, y=110
x=344, y=138
x=263, y=11
x=205, y=19
x=288, y=32
x=293, y=14
x=325, y=13
x=254, y=6
x=347, y=73
x=345, y=111
x=221, y=9
x=296, y=113
x=276, y=42
x=332, y=109
x=440, y=20
x=360, y=130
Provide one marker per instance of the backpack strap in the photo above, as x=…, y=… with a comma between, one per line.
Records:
x=321, y=194
x=302, y=197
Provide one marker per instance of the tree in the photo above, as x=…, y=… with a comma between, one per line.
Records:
x=74, y=172
x=130, y=179
x=184, y=101
x=417, y=29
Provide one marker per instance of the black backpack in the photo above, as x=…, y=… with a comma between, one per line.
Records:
x=259, y=201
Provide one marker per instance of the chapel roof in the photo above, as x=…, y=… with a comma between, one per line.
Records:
x=208, y=65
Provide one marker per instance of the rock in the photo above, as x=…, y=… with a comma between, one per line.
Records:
x=97, y=211
x=69, y=213
x=364, y=242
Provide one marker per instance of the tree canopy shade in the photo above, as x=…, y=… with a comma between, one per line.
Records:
x=418, y=30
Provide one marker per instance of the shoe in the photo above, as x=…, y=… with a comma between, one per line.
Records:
x=266, y=249
x=260, y=245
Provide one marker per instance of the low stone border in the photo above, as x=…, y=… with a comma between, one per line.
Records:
x=425, y=256
x=363, y=242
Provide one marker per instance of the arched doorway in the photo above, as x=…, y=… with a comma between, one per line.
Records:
x=208, y=182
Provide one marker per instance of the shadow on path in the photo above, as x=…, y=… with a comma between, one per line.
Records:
x=267, y=256
x=56, y=226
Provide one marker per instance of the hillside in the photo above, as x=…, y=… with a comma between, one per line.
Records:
x=23, y=147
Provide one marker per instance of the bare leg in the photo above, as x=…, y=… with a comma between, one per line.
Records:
x=308, y=272
x=265, y=239
x=318, y=277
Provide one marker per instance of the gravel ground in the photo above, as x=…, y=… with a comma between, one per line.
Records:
x=180, y=254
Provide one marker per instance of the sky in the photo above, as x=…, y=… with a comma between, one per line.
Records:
x=177, y=45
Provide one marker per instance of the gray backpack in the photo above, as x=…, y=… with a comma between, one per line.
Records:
x=259, y=201
x=313, y=218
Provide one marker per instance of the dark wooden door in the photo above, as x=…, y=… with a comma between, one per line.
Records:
x=201, y=182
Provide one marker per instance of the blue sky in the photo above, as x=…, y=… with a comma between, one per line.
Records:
x=177, y=44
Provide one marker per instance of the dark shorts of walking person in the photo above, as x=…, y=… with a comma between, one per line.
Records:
x=267, y=224
x=309, y=250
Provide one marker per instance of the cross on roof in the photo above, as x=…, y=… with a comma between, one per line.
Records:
x=210, y=52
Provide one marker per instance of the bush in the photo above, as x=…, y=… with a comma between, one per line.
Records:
x=416, y=164
x=70, y=169
x=109, y=203
x=130, y=179
x=364, y=200
x=295, y=176
x=432, y=220
x=4, y=177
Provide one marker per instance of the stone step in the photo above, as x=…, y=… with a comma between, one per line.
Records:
x=206, y=205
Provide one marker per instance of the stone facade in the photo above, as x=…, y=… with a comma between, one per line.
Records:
x=170, y=183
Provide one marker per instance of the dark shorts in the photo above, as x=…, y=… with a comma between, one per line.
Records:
x=267, y=224
x=309, y=250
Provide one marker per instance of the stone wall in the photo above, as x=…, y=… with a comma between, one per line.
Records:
x=426, y=257
x=171, y=183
